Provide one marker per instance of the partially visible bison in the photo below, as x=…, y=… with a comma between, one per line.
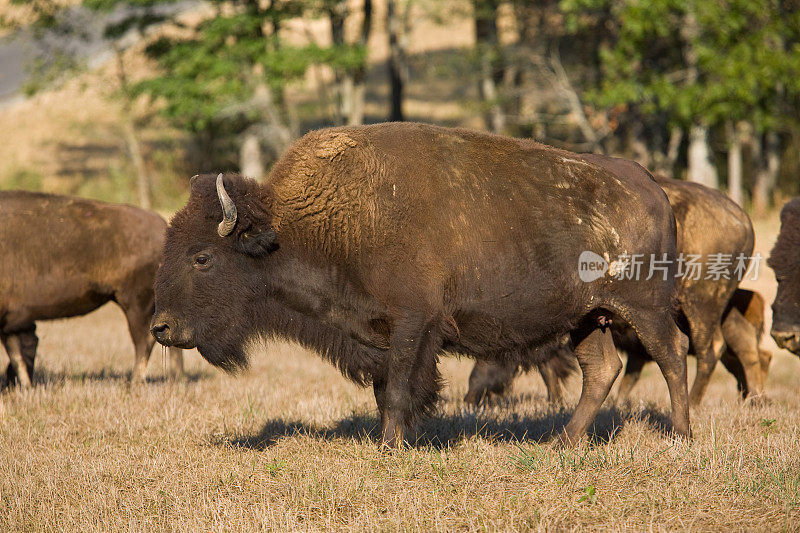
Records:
x=742, y=328
x=382, y=246
x=785, y=261
x=710, y=227
x=61, y=257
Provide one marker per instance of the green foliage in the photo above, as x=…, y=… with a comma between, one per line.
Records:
x=589, y=495
x=22, y=179
x=205, y=77
x=208, y=80
x=740, y=61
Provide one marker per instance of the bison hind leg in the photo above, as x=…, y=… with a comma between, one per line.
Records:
x=741, y=338
x=490, y=378
x=600, y=365
x=664, y=342
x=703, y=326
x=633, y=370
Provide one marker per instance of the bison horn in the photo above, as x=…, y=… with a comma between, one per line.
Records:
x=228, y=210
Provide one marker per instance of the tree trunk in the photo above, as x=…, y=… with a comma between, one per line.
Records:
x=274, y=132
x=734, y=162
x=701, y=170
x=344, y=80
x=398, y=67
x=131, y=137
x=250, y=158
x=637, y=147
x=767, y=175
x=673, y=148
x=135, y=153
x=491, y=63
x=359, y=90
x=664, y=160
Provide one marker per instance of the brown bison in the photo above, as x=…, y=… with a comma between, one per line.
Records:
x=62, y=257
x=383, y=246
x=785, y=261
x=708, y=224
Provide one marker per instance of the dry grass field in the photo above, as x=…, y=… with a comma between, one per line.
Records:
x=290, y=445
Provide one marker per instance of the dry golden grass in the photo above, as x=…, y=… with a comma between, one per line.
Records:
x=290, y=446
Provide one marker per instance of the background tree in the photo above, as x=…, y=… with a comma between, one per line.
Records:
x=492, y=63
x=398, y=26
x=706, y=66
x=52, y=22
x=350, y=79
x=677, y=85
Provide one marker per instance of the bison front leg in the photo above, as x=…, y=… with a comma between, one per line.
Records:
x=764, y=359
x=143, y=346
x=138, y=315
x=19, y=369
x=552, y=382
x=489, y=378
x=175, y=370
x=600, y=365
x=411, y=384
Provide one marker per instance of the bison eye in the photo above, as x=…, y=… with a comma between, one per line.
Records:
x=202, y=261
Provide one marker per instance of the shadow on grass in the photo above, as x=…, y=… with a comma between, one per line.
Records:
x=445, y=430
x=44, y=377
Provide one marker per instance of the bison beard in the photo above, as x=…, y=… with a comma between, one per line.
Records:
x=380, y=262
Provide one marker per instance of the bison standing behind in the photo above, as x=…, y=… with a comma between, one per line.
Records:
x=785, y=261
x=63, y=257
x=382, y=246
x=709, y=225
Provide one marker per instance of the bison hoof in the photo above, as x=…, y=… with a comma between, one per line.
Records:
x=564, y=441
x=757, y=400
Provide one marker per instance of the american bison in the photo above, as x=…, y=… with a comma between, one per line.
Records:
x=710, y=226
x=785, y=261
x=382, y=246
x=62, y=257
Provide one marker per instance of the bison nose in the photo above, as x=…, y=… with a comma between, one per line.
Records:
x=789, y=340
x=161, y=332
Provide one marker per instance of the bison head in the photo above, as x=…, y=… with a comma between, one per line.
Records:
x=211, y=279
x=785, y=261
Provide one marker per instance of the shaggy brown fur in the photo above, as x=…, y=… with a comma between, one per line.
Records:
x=383, y=246
x=708, y=223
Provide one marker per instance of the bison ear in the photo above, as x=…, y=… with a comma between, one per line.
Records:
x=257, y=242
